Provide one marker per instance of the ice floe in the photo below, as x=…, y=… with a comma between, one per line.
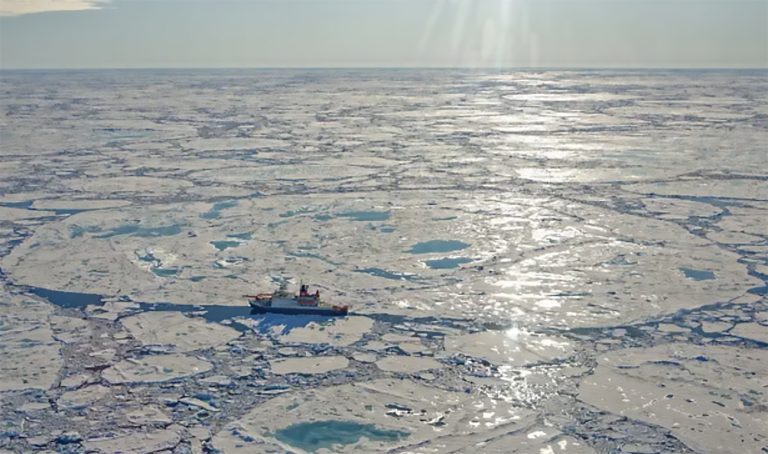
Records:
x=308, y=366
x=416, y=416
x=178, y=331
x=696, y=392
x=31, y=356
x=513, y=347
x=155, y=368
x=407, y=364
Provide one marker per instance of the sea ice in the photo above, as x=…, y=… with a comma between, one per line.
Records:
x=407, y=364
x=567, y=204
x=513, y=347
x=308, y=366
x=432, y=417
x=181, y=333
x=30, y=356
x=338, y=332
x=696, y=392
x=137, y=442
x=157, y=368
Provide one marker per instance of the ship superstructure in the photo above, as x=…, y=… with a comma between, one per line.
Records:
x=282, y=301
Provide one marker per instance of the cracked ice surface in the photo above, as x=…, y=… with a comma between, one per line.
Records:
x=155, y=369
x=30, y=355
x=703, y=395
x=314, y=365
x=540, y=261
x=341, y=332
x=511, y=347
x=181, y=333
x=515, y=246
x=139, y=443
x=421, y=411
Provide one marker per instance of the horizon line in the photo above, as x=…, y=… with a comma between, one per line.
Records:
x=465, y=68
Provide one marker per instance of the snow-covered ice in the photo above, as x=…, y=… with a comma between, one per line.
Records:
x=537, y=261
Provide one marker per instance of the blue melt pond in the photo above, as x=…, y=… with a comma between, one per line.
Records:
x=434, y=246
x=311, y=436
x=149, y=258
x=165, y=272
x=224, y=244
x=292, y=213
x=240, y=236
x=72, y=300
x=76, y=231
x=369, y=216
x=145, y=232
x=698, y=275
x=447, y=263
x=215, y=210
x=123, y=134
x=389, y=274
x=27, y=204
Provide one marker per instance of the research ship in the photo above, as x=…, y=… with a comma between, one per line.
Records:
x=283, y=302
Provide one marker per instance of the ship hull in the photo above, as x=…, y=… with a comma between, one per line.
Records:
x=309, y=310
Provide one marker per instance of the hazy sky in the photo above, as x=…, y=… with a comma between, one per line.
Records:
x=410, y=33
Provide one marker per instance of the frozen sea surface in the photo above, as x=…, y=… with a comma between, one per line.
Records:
x=541, y=261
